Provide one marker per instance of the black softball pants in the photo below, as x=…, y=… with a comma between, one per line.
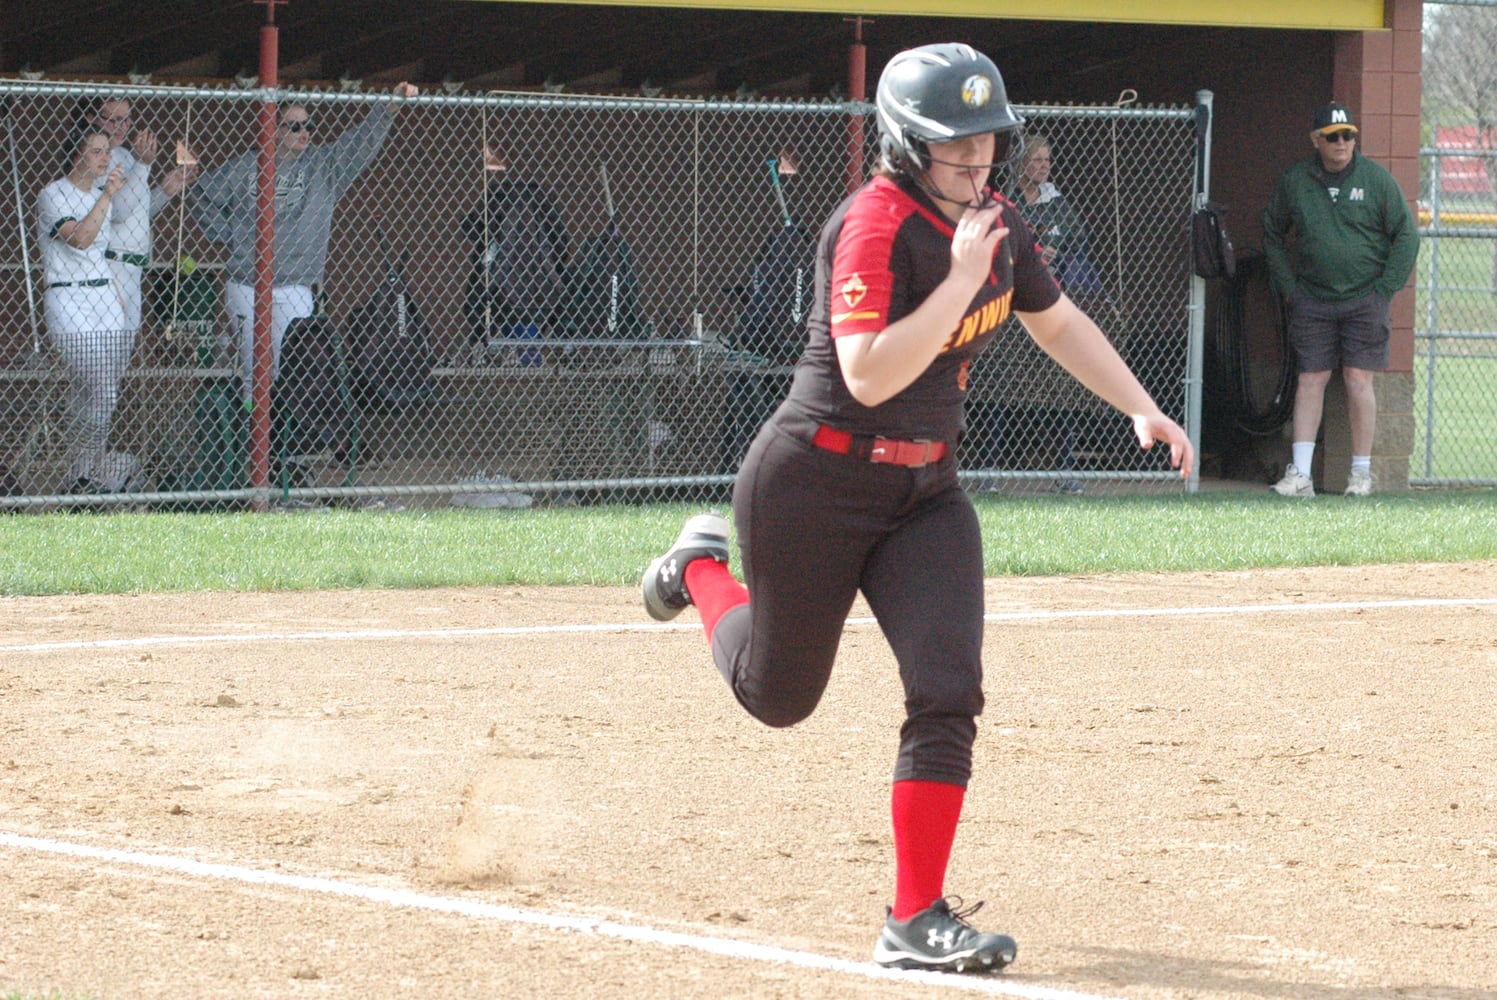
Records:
x=816, y=527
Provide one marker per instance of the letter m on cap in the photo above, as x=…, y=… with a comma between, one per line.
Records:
x=1338, y=116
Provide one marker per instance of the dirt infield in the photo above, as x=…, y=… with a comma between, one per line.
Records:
x=1270, y=784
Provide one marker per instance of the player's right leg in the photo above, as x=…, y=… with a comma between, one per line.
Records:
x=925, y=585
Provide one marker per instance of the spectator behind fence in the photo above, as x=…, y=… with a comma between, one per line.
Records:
x=309, y=182
x=85, y=318
x=1062, y=235
x=129, y=250
x=1354, y=245
x=1035, y=401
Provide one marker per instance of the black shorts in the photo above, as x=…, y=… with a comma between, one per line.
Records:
x=1331, y=335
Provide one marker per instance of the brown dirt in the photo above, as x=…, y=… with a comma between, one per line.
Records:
x=1246, y=803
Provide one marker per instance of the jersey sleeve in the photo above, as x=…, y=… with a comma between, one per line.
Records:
x=211, y=201
x=862, y=278
x=1403, y=236
x=353, y=151
x=51, y=213
x=1278, y=219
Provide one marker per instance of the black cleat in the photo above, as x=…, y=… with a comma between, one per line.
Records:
x=704, y=537
x=939, y=939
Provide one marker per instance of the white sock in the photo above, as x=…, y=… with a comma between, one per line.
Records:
x=1361, y=463
x=1304, y=454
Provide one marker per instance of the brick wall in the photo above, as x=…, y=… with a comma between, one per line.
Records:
x=1377, y=75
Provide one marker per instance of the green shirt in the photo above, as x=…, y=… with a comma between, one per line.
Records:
x=1350, y=234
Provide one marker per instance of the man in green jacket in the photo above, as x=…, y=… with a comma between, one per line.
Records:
x=1340, y=241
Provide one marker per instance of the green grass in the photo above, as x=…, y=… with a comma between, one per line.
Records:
x=1465, y=387
x=140, y=553
x=1464, y=269
x=1463, y=446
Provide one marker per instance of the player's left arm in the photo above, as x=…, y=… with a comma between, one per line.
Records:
x=1078, y=345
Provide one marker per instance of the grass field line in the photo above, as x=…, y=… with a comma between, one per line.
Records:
x=406, y=899
x=576, y=629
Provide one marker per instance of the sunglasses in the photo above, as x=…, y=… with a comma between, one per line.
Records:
x=1340, y=137
x=301, y=126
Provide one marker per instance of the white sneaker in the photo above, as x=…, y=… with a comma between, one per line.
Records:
x=1359, y=484
x=1294, y=484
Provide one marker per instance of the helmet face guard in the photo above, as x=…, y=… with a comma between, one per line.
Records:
x=941, y=93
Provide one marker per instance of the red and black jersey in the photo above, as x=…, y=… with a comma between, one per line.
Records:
x=881, y=254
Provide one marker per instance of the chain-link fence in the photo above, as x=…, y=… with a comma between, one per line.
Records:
x=1455, y=334
x=505, y=299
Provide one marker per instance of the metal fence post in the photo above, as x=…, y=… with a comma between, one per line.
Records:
x=1196, y=349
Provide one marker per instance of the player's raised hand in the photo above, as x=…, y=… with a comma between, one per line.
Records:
x=143, y=145
x=975, y=241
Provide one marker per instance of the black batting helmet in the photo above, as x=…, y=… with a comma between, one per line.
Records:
x=939, y=93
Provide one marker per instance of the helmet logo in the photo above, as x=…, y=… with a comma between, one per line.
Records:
x=976, y=90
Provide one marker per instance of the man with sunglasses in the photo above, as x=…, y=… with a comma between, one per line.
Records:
x=1340, y=241
x=310, y=179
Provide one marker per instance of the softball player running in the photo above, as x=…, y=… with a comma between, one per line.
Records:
x=85, y=318
x=851, y=485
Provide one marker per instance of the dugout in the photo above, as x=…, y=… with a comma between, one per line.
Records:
x=1267, y=66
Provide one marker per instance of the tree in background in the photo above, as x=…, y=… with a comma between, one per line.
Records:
x=1460, y=77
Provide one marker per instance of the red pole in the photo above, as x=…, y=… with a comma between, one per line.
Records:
x=264, y=258
x=857, y=90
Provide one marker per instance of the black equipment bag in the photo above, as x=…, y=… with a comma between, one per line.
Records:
x=778, y=298
x=604, y=304
x=389, y=342
x=521, y=262
x=311, y=404
x=1212, y=255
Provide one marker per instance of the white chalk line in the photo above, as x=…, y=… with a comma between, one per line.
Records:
x=514, y=915
x=360, y=635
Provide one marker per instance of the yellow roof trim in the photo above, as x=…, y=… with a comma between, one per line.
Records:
x=1324, y=15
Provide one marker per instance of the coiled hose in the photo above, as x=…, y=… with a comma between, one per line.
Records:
x=1240, y=362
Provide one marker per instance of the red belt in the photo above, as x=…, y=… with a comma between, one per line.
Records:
x=878, y=449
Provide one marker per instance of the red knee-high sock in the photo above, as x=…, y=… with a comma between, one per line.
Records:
x=925, y=817
x=713, y=590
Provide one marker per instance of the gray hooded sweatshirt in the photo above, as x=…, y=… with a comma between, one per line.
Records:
x=307, y=190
